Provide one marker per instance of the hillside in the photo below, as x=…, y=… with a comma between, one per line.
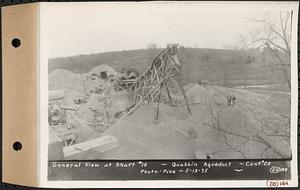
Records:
x=222, y=67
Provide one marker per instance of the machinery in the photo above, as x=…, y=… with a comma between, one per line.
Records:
x=127, y=78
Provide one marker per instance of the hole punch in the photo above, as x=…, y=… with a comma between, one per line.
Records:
x=16, y=42
x=17, y=146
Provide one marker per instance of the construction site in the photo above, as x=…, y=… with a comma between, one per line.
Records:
x=153, y=114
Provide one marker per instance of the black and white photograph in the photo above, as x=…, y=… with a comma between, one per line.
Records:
x=169, y=81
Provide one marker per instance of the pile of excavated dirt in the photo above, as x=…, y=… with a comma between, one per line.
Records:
x=103, y=68
x=121, y=100
x=145, y=115
x=140, y=141
x=79, y=85
x=231, y=136
x=214, y=130
x=71, y=83
x=202, y=95
x=242, y=130
x=254, y=127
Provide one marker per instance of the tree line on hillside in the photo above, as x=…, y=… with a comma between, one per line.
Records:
x=223, y=67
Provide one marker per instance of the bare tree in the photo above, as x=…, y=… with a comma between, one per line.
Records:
x=274, y=36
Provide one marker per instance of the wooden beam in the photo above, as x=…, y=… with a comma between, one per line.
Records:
x=56, y=94
x=102, y=144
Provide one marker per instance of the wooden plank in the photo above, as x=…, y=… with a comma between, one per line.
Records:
x=56, y=95
x=102, y=144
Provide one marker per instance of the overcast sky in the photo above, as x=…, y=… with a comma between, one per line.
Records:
x=74, y=29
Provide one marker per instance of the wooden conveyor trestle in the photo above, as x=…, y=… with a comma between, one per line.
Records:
x=163, y=74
